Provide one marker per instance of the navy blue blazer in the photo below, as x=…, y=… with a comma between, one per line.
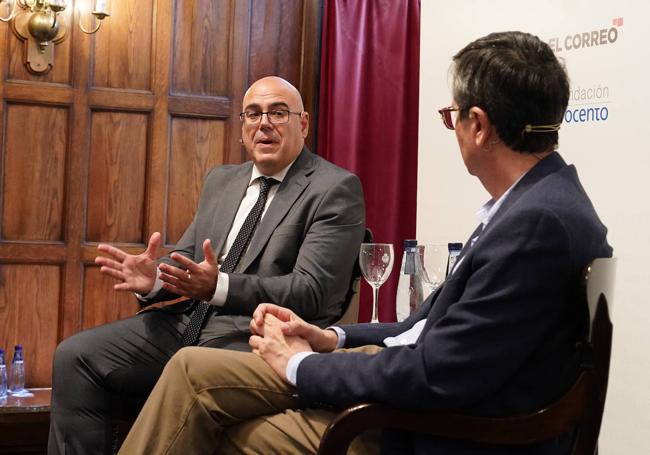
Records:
x=501, y=331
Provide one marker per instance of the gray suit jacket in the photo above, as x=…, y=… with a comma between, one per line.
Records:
x=302, y=253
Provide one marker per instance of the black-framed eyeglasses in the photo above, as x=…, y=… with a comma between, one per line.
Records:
x=448, y=116
x=275, y=116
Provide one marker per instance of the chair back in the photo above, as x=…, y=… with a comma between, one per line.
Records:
x=579, y=410
x=599, y=291
x=351, y=308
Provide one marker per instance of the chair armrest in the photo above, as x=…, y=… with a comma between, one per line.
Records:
x=552, y=421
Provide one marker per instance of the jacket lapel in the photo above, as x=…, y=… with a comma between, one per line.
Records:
x=293, y=185
x=547, y=166
x=224, y=214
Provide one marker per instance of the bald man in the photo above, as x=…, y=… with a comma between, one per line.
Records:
x=284, y=228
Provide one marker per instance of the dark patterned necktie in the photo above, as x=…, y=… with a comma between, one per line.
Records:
x=237, y=250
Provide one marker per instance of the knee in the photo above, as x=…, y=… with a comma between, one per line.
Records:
x=69, y=352
x=198, y=367
x=184, y=358
x=181, y=365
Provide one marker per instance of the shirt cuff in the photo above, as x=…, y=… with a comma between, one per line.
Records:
x=157, y=286
x=221, y=293
x=294, y=363
x=341, y=333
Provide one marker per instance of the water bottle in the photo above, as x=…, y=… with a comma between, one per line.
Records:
x=454, y=251
x=17, y=375
x=3, y=376
x=409, y=286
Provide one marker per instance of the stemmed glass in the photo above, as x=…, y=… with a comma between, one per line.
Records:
x=376, y=262
x=434, y=261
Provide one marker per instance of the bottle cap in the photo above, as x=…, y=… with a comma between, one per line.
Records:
x=18, y=353
x=410, y=243
x=455, y=246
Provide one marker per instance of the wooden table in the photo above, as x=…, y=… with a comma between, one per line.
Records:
x=24, y=423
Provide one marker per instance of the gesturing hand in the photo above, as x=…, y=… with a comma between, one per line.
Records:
x=195, y=281
x=136, y=273
x=275, y=347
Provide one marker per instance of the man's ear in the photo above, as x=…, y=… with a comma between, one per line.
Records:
x=304, y=124
x=481, y=126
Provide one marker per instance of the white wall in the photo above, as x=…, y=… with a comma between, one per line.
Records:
x=612, y=157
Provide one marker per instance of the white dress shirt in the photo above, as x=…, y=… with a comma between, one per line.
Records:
x=245, y=206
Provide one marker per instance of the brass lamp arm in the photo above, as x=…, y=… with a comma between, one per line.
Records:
x=27, y=4
x=99, y=17
x=12, y=14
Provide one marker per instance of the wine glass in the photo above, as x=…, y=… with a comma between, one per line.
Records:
x=376, y=262
x=434, y=263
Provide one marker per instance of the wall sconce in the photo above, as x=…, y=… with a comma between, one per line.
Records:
x=40, y=25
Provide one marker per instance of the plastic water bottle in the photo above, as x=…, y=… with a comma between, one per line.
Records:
x=409, y=286
x=454, y=252
x=17, y=375
x=3, y=376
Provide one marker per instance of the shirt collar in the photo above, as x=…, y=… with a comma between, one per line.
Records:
x=490, y=208
x=279, y=176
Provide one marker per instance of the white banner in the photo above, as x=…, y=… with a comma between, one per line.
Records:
x=604, y=45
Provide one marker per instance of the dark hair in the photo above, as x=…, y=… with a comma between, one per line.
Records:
x=517, y=80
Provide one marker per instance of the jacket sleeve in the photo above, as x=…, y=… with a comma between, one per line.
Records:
x=510, y=293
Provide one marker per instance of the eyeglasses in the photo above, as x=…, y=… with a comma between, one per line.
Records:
x=447, y=118
x=276, y=116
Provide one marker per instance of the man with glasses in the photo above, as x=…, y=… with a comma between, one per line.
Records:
x=497, y=338
x=284, y=227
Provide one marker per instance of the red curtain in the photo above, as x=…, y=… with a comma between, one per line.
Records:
x=368, y=116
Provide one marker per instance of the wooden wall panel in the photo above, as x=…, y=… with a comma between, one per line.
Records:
x=276, y=40
x=202, y=31
x=122, y=54
x=33, y=172
x=130, y=120
x=61, y=72
x=29, y=315
x=116, y=188
x=196, y=147
x=102, y=303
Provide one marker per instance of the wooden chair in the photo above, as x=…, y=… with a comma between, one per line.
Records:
x=581, y=408
x=351, y=310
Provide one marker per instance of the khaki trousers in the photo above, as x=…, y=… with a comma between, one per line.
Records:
x=220, y=401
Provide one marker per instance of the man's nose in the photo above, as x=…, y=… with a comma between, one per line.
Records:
x=264, y=121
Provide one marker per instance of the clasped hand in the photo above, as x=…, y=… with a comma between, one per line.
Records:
x=278, y=334
x=137, y=273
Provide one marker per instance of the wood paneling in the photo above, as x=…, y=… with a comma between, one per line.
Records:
x=116, y=196
x=33, y=173
x=123, y=50
x=110, y=306
x=202, y=30
x=197, y=146
x=29, y=310
x=276, y=39
x=118, y=148
x=45, y=94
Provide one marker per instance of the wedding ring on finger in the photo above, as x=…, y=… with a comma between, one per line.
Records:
x=189, y=276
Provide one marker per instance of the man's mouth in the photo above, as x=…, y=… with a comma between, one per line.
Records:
x=265, y=141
